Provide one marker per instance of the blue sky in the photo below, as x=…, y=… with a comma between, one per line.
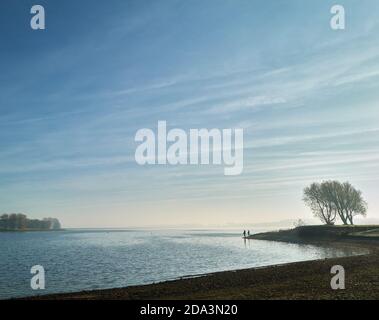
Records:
x=73, y=96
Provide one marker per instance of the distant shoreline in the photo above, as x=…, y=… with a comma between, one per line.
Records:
x=31, y=230
x=297, y=280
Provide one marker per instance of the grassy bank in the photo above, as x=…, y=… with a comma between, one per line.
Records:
x=311, y=234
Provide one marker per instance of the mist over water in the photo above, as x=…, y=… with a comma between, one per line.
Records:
x=76, y=260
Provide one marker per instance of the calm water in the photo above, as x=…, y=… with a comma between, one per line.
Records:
x=93, y=259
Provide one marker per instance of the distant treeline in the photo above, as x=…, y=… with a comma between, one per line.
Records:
x=19, y=222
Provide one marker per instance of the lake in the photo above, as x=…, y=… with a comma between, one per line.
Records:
x=85, y=259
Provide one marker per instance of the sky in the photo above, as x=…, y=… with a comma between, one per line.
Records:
x=73, y=96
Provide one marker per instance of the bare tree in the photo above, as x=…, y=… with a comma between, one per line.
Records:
x=353, y=202
x=331, y=198
x=316, y=197
x=335, y=195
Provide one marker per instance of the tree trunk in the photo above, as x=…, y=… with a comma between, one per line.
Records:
x=342, y=217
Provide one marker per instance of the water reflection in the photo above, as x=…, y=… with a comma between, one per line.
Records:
x=87, y=259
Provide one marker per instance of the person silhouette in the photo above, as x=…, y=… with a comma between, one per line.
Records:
x=248, y=233
x=244, y=233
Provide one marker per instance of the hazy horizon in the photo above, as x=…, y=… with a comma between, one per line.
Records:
x=269, y=225
x=74, y=95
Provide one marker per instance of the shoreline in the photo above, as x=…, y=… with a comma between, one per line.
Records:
x=294, y=280
x=30, y=230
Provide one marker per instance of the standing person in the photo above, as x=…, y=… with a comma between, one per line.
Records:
x=248, y=233
x=244, y=233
